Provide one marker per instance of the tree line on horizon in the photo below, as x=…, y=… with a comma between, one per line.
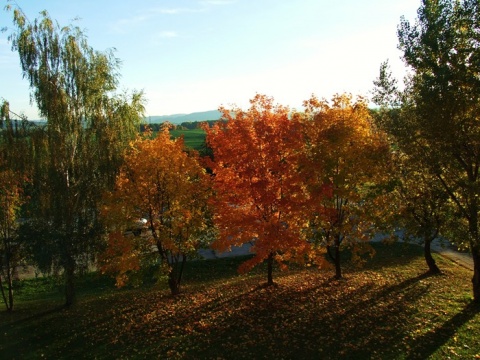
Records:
x=186, y=125
x=302, y=187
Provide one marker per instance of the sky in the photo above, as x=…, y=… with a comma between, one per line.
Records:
x=196, y=55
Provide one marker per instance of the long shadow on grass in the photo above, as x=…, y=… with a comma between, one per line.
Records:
x=306, y=316
x=34, y=317
x=29, y=332
x=327, y=321
x=427, y=344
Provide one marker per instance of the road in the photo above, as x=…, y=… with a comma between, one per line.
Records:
x=449, y=251
x=443, y=248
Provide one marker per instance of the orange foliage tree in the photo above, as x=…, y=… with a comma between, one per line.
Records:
x=167, y=187
x=259, y=193
x=345, y=157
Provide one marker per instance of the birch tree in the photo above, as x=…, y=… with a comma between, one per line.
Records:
x=77, y=154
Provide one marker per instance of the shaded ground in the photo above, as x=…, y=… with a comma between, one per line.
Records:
x=388, y=310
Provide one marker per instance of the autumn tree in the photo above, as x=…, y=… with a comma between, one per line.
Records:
x=344, y=168
x=167, y=187
x=13, y=177
x=259, y=192
x=438, y=122
x=77, y=154
x=10, y=249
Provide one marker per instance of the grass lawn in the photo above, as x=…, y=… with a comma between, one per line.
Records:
x=389, y=309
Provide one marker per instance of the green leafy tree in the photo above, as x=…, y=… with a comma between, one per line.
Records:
x=419, y=202
x=424, y=210
x=441, y=106
x=77, y=154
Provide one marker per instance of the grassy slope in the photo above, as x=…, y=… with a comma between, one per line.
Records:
x=387, y=310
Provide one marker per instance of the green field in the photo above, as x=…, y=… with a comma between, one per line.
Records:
x=194, y=139
x=390, y=309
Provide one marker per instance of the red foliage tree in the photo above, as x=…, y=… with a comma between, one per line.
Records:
x=259, y=192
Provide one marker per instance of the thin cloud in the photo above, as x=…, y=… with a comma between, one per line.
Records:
x=167, y=34
x=174, y=11
x=217, y=2
x=124, y=25
x=161, y=37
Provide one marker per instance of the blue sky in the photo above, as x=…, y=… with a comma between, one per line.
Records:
x=196, y=55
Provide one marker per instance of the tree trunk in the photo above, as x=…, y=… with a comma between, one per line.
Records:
x=180, y=271
x=9, y=281
x=270, y=269
x=432, y=266
x=3, y=294
x=9, y=285
x=10, y=291
x=336, y=257
x=476, y=273
x=69, y=281
x=338, y=267
x=173, y=284
x=175, y=275
x=475, y=248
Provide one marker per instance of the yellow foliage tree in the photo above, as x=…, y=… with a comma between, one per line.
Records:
x=14, y=174
x=11, y=198
x=345, y=157
x=166, y=187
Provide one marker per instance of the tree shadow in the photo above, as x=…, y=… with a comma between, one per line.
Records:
x=427, y=344
x=25, y=325
x=323, y=321
x=394, y=289
x=36, y=316
x=307, y=315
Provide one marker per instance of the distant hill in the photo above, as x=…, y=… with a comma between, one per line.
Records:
x=174, y=118
x=180, y=118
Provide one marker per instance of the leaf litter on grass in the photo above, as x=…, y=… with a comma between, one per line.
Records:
x=376, y=313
